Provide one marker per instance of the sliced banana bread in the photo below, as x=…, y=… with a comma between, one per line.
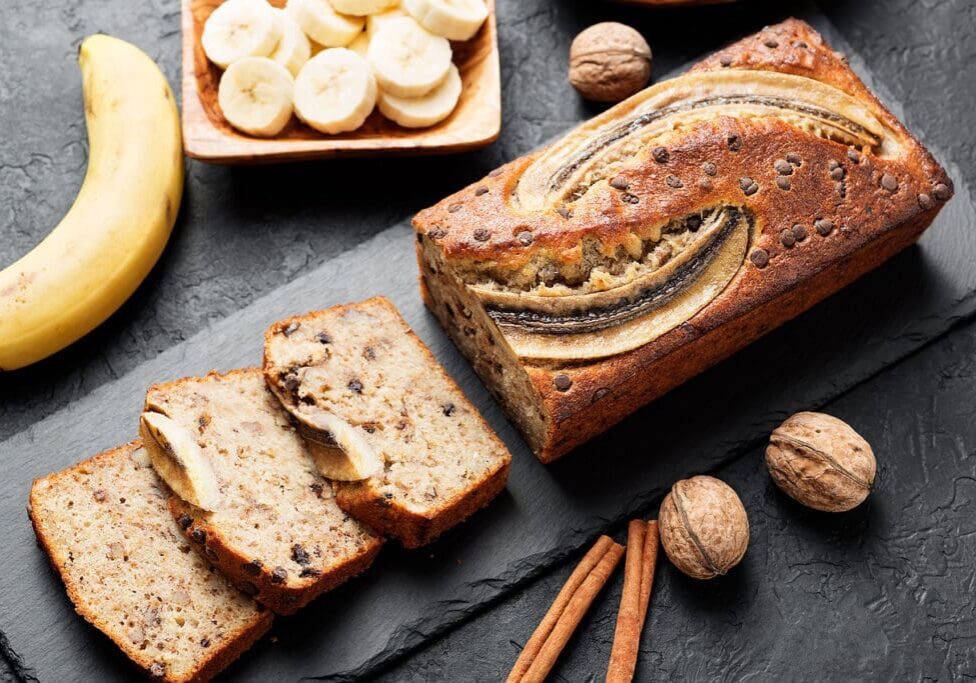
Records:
x=106, y=526
x=358, y=376
x=276, y=530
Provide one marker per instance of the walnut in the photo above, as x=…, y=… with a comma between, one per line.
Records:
x=609, y=62
x=704, y=528
x=821, y=462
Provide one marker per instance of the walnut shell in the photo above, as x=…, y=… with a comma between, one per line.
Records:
x=704, y=528
x=609, y=62
x=821, y=462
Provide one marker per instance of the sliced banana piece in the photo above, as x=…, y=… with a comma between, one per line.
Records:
x=420, y=112
x=335, y=91
x=238, y=29
x=361, y=8
x=179, y=461
x=293, y=48
x=339, y=449
x=408, y=60
x=361, y=45
x=323, y=24
x=374, y=22
x=452, y=19
x=255, y=95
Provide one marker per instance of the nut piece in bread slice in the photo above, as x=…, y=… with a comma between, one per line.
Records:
x=362, y=363
x=106, y=526
x=278, y=533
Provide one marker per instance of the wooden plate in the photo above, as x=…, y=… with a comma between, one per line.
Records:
x=207, y=136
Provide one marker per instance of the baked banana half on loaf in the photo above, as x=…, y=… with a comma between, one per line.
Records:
x=649, y=243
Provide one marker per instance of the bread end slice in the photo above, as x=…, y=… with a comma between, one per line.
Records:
x=107, y=532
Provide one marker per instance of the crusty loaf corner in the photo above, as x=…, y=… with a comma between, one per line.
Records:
x=279, y=534
x=363, y=363
x=105, y=525
x=651, y=242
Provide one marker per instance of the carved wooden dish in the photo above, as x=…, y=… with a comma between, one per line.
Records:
x=207, y=136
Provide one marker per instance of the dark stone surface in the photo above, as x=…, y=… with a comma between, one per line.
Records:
x=244, y=232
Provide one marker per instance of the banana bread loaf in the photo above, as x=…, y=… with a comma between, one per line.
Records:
x=651, y=242
x=108, y=531
x=276, y=530
x=389, y=401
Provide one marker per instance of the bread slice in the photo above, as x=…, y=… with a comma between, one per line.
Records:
x=362, y=363
x=106, y=527
x=278, y=533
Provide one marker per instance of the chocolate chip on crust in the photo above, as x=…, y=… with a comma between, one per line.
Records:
x=453, y=208
x=524, y=237
x=734, y=142
x=562, y=382
x=708, y=168
x=748, y=186
x=291, y=329
x=630, y=198
x=674, y=182
x=619, y=183
x=783, y=183
x=925, y=201
x=437, y=233
x=759, y=258
x=482, y=234
x=941, y=192
x=725, y=60
x=494, y=173
x=783, y=167
x=799, y=232
x=889, y=182
x=564, y=212
x=184, y=521
x=480, y=191
x=794, y=159
x=278, y=575
x=661, y=154
x=771, y=43
x=854, y=155
x=838, y=173
x=787, y=238
x=198, y=535
x=824, y=226
x=253, y=567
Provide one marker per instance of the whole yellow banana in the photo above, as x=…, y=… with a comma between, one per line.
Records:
x=121, y=219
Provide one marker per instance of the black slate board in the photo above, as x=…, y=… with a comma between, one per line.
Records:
x=546, y=513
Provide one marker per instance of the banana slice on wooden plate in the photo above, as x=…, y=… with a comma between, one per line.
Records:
x=293, y=48
x=452, y=19
x=335, y=91
x=323, y=24
x=238, y=29
x=426, y=110
x=408, y=60
x=179, y=460
x=361, y=8
x=255, y=96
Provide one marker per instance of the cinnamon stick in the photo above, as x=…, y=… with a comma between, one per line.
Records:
x=556, y=628
x=642, y=541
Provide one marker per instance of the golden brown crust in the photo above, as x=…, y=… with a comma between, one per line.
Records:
x=259, y=583
x=414, y=530
x=866, y=206
x=363, y=501
x=218, y=659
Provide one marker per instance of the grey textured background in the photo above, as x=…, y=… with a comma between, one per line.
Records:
x=884, y=592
